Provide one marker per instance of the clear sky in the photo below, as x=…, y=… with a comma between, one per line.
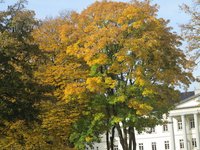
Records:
x=169, y=9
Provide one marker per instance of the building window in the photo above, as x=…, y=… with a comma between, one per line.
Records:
x=165, y=127
x=166, y=145
x=194, y=142
x=181, y=143
x=192, y=125
x=115, y=147
x=150, y=130
x=141, y=147
x=153, y=144
x=180, y=125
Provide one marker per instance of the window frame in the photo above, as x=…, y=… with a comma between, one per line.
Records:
x=194, y=143
x=180, y=125
x=165, y=127
x=116, y=147
x=141, y=146
x=153, y=145
x=166, y=145
x=192, y=123
x=181, y=143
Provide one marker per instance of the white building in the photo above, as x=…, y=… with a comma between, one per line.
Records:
x=182, y=132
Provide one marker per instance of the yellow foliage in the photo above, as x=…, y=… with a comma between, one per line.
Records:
x=116, y=119
x=133, y=104
x=95, y=84
x=110, y=82
x=101, y=59
x=121, y=56
x=137, y=24
x=88, y=139
x=115, y=68
x=141, y=108
x=139, y=81
x=99, y=84
x=74, y=89
x=148, y=91
x=48, y=35
x=121, y=98
x=75, y=50
x=144, y=109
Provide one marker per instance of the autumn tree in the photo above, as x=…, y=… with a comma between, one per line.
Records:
x=191, y=30
x=57, y=71
x=118, y=64
x=20, y=93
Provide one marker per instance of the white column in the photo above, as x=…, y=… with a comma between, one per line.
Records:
x=171, y=130
x=196, y=120
x=184, y=132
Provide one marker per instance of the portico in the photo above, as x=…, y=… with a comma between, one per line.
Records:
x=185, y=135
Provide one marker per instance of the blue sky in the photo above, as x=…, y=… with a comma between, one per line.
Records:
x=169, y=9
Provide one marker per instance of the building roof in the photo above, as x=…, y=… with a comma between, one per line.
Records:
x=189, y=96
x=185, y=95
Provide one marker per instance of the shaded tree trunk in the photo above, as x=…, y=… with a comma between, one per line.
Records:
x=107, y=140
x=112, y=138
x=132, y=139
x=107, y=133
x=120, y=135
x=127, y=137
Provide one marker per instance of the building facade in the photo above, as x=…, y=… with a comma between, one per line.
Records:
x=181, y=132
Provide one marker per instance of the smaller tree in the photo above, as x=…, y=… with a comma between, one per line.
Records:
x=58, y=70
x=191, y=30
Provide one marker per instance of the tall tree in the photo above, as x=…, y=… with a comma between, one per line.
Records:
x=56, y=71
x=120, y=65
x=191, y=30
x=20, y=93
x=134, y=65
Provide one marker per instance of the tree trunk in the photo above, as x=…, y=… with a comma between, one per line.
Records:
x=128, y=143
x=130, y=138
x=107, y=140
x=134, y=139
x=112, y=138
x=125, y=138
x=107, y=133
x=120, y=135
